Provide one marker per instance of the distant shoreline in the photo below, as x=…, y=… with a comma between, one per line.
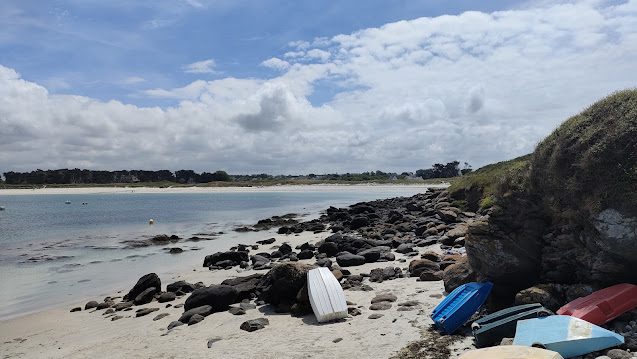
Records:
x=207, y=189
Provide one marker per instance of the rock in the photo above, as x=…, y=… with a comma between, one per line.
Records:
x=458, y=274
x=160, y=316
x=76, y=309
x=123, y=305
x=405, y=248
x=384, y=297
x=180, y=286
x=236, y=311
x=116, y=317
x=431, y=276
x=105, y=304
x=358, y=222
x=329, y=248
x=374, y=254
x=196, y=319
x=282, y=283
x=254, y=324
x=380, y=306
x=109, y=311
x=230, y=257
x=619, y=354
x=146, y=296
x=417, y=266
x=204, y=310
x=245, y=286
x=353, y=311
x=447, y=215
x=543, y=294
x=382, y=274
x=266, y=241
x=175, y=323
x=432, y=256
x=324, y=262
x=350, y=260
x=506, y=341
x=285, y=248
x=375, y=316
x=147, y=281
x=90, y=305
x=337, y=340
x=247, y=306
x=218, y=297
x=166, y=297
x=145, y=311
x=458, y=231
x=305, y=254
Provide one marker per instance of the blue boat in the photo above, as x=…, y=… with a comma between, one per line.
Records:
x=566, y=335
x=460, y=305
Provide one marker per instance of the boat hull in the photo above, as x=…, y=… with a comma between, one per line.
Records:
x=603, y=305
x=458, y=307
x=491, y=329
x=326, y=295
x=566, y=335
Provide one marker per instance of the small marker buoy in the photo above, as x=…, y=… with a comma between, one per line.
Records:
x=1, y=208
x=151, y=221
x=67, y=202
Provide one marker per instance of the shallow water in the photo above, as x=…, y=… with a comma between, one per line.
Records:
x=52, y=252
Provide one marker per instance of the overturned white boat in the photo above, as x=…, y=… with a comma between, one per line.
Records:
x=326, y=295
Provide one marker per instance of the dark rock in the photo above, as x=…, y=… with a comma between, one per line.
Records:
x=145, y=311
x=245, y=286
x=458, y=274
x=384, y=297
x=375, y=316
x=196, y=319
x=90, y=305
x=247, y=306
x=329, y=248
x=282, y=283
x=105, y=304
x=418, y=266
x=76, y=309
x=358, y=222
x=285, y=248
x=276, y=254
x=160, y=316
x=266, y=241
x=254, y=324
x=382, y=274
x=236, y=311
x=427, y=276
x=166, y=297
x=353, y=311
x=204, y=310
x=147, y=281
x=146, y=296
x=324, y=262
x=234, y=257
x=544, y=294
x=116, y=317
x=180, y=286
x=619, y=354
x=175, y=250
x=305, y=254
x=350, y=260
x=123, y=305
x=405, y=248
x=175, y=323
x=218, y=297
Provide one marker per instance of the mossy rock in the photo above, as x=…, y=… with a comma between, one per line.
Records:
x=590, y=162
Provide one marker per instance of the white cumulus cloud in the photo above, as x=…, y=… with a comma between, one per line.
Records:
x=201, y=67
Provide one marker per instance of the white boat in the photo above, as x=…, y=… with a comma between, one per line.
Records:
x=326, y=295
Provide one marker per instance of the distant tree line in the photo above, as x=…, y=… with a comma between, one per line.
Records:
x=78, y=176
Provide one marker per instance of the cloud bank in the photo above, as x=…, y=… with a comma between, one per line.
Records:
x=476, y=87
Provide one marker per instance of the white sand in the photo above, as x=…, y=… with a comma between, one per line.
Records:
x=57, y=333
x=282, y=188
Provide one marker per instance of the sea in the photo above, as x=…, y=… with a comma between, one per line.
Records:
x=56, y=248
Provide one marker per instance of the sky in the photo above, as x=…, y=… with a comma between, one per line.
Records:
x=293, y=87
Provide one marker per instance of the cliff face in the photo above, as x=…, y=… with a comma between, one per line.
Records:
x=566, y=214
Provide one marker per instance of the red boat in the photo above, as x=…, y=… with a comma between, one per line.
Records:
x=604, y=305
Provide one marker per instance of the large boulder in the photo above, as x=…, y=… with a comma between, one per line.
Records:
x=218, y=297
x=350, y=260
x=233, y=257
x=329, y=248
x=458, y=274
x=418, y=266
x=147, y=281
x=282, y=283
x=246, y=287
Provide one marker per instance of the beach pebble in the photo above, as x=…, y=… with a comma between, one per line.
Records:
x=145, y=311
x=619, y=354
x=122, y=305
x=105, y=304
x=211, y=341
x=160, y=316
x=337, y=340
x=109, y=311
x=202, y=310
x=353, y=311
x=380, y=306
x=254, y=324
x=195, y=319
x=174, y=323
x=76, y=309
x=384, y=297
x=236, y=311
x=375, y=316
x=90, y=305
x=166, y=297
x=117, y=317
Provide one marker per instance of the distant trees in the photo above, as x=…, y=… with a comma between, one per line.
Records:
x=78, y=176
x=448, y=170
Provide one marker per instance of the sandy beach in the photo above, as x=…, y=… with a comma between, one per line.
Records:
x=194, y=189
x=58, y=333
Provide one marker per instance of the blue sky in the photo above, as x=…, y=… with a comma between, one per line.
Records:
x=103, y=49
x=300, y=86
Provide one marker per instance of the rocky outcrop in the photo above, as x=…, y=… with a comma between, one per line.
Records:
x=218, y=297
x=282, y=283
x=147, y=281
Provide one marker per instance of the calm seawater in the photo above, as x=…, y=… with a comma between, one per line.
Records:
x=53, y=253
